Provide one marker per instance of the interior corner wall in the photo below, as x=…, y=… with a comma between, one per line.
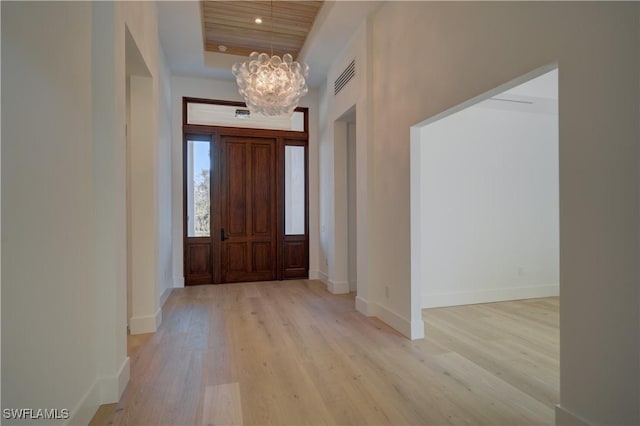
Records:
x=198, y=87
x=48, y=334
x=144, y=214
x=466, y=50
x=164, y=231
x=489, y=183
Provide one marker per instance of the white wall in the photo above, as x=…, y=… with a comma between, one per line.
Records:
x=0, y=218
x=110, y=25
x=184, y=86
x=467, y=49
x=352, y=220
x=143, y=207
x=165, y=174
x=489, y=183
x=334, y=112
x=64, y=130
x=148, y=187
x=47, y=207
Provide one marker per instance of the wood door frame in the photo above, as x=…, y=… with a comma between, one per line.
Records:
x=214, y=135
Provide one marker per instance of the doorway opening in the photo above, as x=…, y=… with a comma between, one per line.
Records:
x=342, y=269
x=246, y=202
x=485, y=230
x=140, y=204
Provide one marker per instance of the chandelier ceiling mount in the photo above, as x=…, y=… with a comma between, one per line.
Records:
x=271, y=85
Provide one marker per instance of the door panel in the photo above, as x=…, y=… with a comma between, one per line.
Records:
x=235, y=184
x=262, y=196
x=198, y=263
x=295, y=257
x=248, y=209
x=262, y=259
x=236, y=253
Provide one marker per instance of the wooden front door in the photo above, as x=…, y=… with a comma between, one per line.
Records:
x=246, y=201
x=248, y=209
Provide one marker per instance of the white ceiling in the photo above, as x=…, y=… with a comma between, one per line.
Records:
x=180, y=29
x=538, y=95
x=544, y=86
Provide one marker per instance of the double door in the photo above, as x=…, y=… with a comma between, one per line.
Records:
x=235, y=188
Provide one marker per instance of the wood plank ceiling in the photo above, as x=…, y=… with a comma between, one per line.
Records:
x=232, y=24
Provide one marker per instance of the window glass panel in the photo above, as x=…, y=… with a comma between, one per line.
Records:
x=294, y=189
x=198, y=188
x=233, y=116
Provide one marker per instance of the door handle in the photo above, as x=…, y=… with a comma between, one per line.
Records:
x=222, y=237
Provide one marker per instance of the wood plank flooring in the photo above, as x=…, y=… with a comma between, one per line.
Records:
x=290, y=353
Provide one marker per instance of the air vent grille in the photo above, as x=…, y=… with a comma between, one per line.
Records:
x=345, y=77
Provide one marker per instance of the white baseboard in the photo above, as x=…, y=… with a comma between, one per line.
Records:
x=417, y=330
x=411, y=329
x=105, y=390
x=164, y=296
x=394, y=320
x=178, y=282
x=438, y=300
x=353, y=285
x=323, y=277
x=146, y=324
x=566, y=418
x=158, y=318
x=123, y=376
x=111, y=387
x=314, y=274
x=363, y=306
x=338, y=287
x=84, y=410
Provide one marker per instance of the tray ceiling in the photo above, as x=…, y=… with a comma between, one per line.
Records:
x=232, y=24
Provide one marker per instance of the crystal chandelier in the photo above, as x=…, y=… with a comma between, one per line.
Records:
x=270, y=85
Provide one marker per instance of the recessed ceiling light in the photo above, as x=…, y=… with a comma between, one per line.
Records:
x=258, y=21
x=222, y=48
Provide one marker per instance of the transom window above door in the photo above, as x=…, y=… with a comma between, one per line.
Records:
x=201, y=112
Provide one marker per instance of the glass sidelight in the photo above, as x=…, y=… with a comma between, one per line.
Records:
x=198, y=182
x=294, y=189
x=295, y=241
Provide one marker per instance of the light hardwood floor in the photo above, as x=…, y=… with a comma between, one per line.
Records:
x=290, y=353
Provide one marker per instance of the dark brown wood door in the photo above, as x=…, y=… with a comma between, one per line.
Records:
x=248, y=209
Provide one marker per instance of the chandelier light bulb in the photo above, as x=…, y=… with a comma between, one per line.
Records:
x=270, y=85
